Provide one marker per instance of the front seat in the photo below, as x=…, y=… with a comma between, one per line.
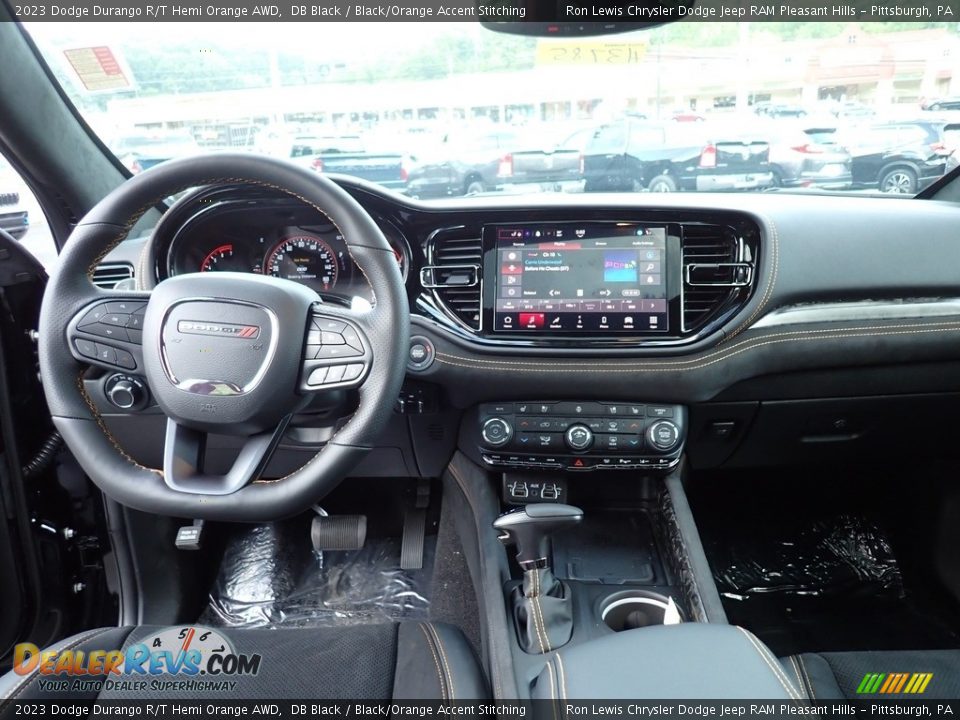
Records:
x=402, y=661
x=918, y=674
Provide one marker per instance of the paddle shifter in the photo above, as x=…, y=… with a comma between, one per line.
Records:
x=542, y=609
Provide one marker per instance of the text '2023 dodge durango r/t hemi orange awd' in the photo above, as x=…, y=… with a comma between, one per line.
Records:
x=662, y=430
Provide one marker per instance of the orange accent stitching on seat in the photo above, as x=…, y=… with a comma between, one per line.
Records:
x=436, y=661
x=443, y=657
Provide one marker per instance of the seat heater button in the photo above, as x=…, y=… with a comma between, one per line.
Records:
x=334, y=374
x=325, y=325
x=352, y=372
x=86, y=348
x=125, y=360
x=317, y=376
x=106, y=354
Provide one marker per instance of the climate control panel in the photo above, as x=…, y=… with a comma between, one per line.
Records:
x=581, y=435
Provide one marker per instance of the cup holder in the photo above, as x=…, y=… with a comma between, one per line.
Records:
x=636, y=609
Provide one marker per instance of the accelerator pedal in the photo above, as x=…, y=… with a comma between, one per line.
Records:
x=338, y=532
x=415, y=529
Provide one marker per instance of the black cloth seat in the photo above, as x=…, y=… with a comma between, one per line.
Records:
x=409, y=660
x=838, y=675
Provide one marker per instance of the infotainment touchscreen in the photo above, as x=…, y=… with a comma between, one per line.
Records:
x=586, y=278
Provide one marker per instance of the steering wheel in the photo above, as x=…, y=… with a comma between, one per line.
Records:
x=224, y=353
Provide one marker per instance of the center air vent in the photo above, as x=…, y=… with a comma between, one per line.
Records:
x=108, y=275
x=454, y=273
x=717, y=271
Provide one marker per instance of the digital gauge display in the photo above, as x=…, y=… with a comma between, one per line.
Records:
x=304, y=258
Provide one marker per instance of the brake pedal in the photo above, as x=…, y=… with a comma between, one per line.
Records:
x=338, y=532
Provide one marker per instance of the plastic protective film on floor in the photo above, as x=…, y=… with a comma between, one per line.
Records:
x=842, y=555
x=270, y=577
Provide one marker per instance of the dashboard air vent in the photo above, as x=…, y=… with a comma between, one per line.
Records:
x=714, y=272
x=454, y=272
x=108, y=275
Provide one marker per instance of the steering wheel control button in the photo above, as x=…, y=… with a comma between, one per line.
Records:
x=326, y=325
x=87, y=348
x=496, y=432
x=332, y=338
x=318, y=376
x=421, y=355
x=352, y=372
x=334, y=374
x=126, y=307
x=664, y=435
x=106, y=354
x=108, y=331
x=117, y=319
x=92, y=317
x=125, y=360
x=328, y=352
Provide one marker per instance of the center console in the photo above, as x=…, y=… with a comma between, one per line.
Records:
x=579, y=436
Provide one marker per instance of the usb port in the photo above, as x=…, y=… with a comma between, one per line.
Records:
x=519, y=490
x=550, y=492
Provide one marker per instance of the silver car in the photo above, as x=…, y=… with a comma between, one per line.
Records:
x=798, y=159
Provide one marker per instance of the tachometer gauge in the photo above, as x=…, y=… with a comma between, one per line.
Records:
x=304, y=258
x=220, y=258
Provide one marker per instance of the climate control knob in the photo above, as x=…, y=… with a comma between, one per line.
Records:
x=663, y=435
x=578, y=437
x=496, y=432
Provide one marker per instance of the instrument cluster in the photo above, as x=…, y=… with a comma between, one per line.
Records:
x=281, y=237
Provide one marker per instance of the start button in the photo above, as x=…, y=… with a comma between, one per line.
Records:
x=421, y=354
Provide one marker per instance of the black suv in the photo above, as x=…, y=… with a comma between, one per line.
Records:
x=635, y=155
x=900, y=157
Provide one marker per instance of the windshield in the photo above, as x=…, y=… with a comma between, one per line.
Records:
x=436, y=110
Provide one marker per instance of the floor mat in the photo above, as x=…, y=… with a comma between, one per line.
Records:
x=826, y=584
x=270, y=578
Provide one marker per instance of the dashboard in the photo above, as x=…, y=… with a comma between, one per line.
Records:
x=773, y=318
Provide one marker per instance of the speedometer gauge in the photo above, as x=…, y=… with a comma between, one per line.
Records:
x=303, y=258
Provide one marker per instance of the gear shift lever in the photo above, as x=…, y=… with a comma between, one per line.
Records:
x=542, y=610
x=530, y=527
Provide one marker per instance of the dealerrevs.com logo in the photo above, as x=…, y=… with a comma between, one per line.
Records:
x=175, y=658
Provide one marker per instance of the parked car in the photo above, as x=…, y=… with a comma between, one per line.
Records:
x=898, y=157
x=630, y=155
x=544, y=160
x=341, y=154
x=14, y=216
x=798, y=159
x=938, y=104
x=144, y=150
x=467, y=162
x=779, y=110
